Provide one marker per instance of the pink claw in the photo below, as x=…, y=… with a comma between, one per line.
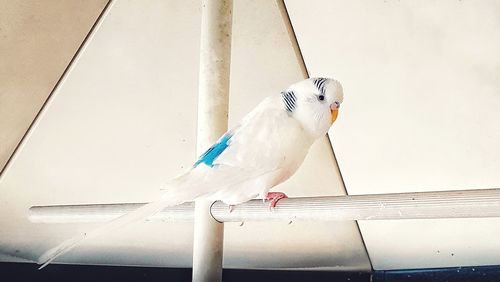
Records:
x=274, y=197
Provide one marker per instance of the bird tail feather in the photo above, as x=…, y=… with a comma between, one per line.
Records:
x=141, y=213
x=184, y=188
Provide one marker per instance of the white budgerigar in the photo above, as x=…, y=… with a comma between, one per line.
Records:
x=262, y=151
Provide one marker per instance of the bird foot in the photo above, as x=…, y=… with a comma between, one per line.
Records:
x=274, y=197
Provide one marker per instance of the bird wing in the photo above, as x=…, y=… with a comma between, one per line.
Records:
x=268, y=138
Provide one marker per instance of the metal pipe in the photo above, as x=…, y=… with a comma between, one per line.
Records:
x=420, y=205
x=213, y=100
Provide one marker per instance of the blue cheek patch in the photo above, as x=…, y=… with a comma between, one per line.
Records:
x=214, y=152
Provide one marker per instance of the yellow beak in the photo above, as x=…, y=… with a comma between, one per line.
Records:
x=334, y=109
x=335, y=113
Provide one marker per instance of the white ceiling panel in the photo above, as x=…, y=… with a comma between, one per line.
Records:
x=421, y=112
x=124, y=120
x=38, y=40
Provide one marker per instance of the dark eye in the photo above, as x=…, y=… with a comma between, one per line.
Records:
x=321, y=97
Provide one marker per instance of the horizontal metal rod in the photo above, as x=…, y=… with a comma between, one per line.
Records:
x=420, y=205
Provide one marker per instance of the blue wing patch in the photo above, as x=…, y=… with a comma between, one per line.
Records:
x=214, y=152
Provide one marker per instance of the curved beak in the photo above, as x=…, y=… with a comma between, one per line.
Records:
x=334, y=109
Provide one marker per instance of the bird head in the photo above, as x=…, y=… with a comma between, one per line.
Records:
x=314, y=103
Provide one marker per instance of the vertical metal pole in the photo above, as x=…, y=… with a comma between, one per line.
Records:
x=213, y=100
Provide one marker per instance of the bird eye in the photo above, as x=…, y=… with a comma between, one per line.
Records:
x=321, y=97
